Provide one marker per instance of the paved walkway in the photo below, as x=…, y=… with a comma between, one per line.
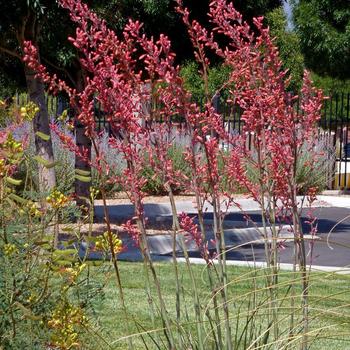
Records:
x=328, y=251
x=154, y=210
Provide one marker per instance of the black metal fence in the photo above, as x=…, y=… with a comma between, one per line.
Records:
x=335, y=126
x=334, y=129
x=334, y=133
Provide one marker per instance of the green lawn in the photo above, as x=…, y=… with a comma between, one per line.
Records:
x=329, y=306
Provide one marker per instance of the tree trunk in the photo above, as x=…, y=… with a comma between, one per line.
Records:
x=82, y=188
x=30, y=30
x=44, y=149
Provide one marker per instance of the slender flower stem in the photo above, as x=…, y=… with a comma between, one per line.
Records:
x=113, y=253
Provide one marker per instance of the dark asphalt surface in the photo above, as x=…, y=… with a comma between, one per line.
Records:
x=337, y=253
x=322, y=254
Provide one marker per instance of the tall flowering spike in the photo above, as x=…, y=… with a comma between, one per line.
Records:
x=276, y=129
x=188, y=225
x=128, y=72
x=31, y=59
x=198, y=35
x=311, y=104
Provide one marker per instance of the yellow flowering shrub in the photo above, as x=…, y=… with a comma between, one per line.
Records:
x=57, y=199
x=29, y=111
x=103, y=244
x=65, y=321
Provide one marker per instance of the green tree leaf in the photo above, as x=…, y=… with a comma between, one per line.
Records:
x=13, y=181
x=83, y=178
x=18, y=199
x=82, y=172
x=45, y=162
x=43, y=136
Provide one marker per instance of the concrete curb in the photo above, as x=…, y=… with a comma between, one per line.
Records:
x=135, y=256
x=335, y=201
x=282, y=266
x=162, y=211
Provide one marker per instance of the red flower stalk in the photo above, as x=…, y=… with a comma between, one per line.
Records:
x=188, y=226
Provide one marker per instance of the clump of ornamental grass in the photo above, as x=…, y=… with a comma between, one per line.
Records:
x=127, y=73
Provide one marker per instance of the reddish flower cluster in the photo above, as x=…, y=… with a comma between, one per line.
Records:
x=69, y=142
x=188, y=225
x=127, y=76
x=133, y=231
x=54, y=83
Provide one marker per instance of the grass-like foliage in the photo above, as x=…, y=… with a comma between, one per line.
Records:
x=49, y=290
x=248, y=301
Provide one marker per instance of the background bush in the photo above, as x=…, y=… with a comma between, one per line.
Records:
x=194, y=83
x=154, y=184
x=310, y=174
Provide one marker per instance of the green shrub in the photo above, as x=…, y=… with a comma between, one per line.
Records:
x=330, y=84
x=115, y=163
x=316, y=174
x=288, y=43
x=65, y=165
x=194, y=83
x=310, y=173
x=154, y=184
x=42, y=302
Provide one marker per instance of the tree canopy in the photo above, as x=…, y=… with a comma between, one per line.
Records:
x=34, y=20
x=288, y=43
x=54, y=27
x=159, y=16
x=324, y=30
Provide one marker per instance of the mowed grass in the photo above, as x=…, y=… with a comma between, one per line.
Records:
x=247, y=292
